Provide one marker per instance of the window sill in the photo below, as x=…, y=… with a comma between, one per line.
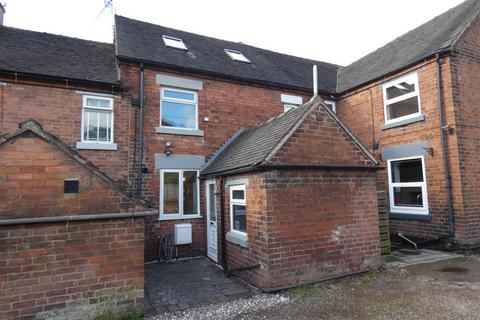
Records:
x=164, y=218
x=410, y=216
x=179, y=131
x=238, y=239
x=420, y=117
x=96, y=146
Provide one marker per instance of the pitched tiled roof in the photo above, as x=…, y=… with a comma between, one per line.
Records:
x=47, y=54
x=143, y=41
x=254, y=146
x=432, y=37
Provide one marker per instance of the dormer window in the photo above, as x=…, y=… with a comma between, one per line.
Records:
x=174, y=42
x=237, y=56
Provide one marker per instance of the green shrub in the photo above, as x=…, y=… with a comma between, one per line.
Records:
x=106, y=315
x=130, y=315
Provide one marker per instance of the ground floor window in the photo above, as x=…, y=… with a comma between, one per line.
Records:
x=238, y=212
x=179, y=191
x=407, y=186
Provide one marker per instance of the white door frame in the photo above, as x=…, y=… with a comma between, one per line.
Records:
x=211, y=254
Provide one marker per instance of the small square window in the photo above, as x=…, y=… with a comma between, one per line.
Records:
x=70, y=186
x=173, y=42
x=237, y=56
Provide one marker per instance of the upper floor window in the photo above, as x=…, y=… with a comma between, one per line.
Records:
x=97, y=119
x=173, y=42
x=237, y=55
x=401, y=98
x=290, y=102
x=179, y=109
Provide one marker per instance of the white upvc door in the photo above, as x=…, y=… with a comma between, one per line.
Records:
x=211, y=220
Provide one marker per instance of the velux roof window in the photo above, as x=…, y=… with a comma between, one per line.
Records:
x=174, y=42
x=237, y=55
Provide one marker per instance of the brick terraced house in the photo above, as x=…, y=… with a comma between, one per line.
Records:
x=225, y=142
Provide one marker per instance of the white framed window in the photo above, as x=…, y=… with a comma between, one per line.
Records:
x=97, y=120
x=331, y=105
x=179, y=109
x=407, y=185
x=290, y=102
x=237, y=56
x=287, y=107
x=401, y=98
x=179, y=190
x=238, y=210
x=173, y=42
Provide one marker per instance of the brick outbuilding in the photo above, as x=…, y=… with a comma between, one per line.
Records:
x=295, y=199
x=71, y=239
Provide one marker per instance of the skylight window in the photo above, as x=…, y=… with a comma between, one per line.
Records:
x=237, y=56
x=174, y=43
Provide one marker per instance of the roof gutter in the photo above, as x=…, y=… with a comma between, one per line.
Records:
x=69, y=81
x=286, y=166
x=216, y=74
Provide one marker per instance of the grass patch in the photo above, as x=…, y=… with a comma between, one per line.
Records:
x=304, y=291
x=127, y=315
x=371, y=277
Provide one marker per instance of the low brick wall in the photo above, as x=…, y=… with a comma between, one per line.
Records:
x=71, y=271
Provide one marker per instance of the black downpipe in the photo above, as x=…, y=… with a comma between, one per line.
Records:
x=140, y=134
x=451, y=218
x=222, y=214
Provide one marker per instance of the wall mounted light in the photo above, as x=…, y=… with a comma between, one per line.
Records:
x=168, y=148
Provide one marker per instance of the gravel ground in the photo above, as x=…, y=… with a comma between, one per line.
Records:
x=442, y=290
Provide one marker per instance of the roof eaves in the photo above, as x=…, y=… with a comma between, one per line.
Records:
x=223, y=75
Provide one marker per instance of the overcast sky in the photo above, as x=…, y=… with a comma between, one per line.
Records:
x=336, y=31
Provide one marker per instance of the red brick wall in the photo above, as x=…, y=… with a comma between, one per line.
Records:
x=73, y=271
x=306, y=225
x=320, y=140
x=363, y=112
x=32, y=175
x=321, y=225
x=466, y=74
x=59, y=111
x=228, y=105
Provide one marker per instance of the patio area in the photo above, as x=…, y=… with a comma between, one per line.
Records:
x=185, y=284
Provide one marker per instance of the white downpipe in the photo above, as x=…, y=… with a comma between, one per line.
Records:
x=315, y=81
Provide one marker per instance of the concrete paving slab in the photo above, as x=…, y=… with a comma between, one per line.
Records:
x=185, y=284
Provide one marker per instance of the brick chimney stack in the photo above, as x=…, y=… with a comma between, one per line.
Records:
x=2, y=13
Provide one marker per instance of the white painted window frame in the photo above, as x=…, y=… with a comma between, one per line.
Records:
x=332, y=104
x=287, y=107
x=110, y=109
x=183, y=101
x=386, y=102
x=181, y=45
x=423, y=185
x=179, y=215
x=238, y=202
